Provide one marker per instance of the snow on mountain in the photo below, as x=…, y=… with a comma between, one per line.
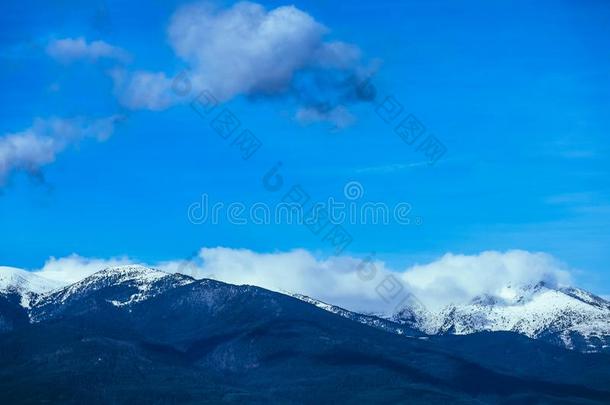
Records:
x=565, y=316
x=27, y=285
x=139, y=276
x=120, y=286
x=371, y=320
x=569, y=317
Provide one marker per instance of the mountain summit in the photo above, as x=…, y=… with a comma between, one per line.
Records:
x=24, y=285
x=568, y=317
x=133, y=334
x=564, y=316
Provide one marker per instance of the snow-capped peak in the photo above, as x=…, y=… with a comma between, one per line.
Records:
x=127, y=273
x=18, y=280
x=566, y=314
x=27, y=285
x=134, y=283
x=585, y=297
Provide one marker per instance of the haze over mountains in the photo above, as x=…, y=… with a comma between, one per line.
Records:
x=137, y=333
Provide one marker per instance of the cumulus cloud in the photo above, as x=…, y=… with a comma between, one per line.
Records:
x=245, y=49
x=337, y=54
x=68, y=270
x=39, y=145
x=248, y=50
x=70, y=49
x=333, y=279
x=354, y=283
x=350, y=282
x=143, y=90
x=459, y=278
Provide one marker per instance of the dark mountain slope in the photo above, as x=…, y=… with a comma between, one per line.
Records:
x=515, y=354
x=206, y=341
x=12, y=314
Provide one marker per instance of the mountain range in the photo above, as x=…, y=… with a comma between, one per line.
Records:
x=564, y=316
x=137, y=334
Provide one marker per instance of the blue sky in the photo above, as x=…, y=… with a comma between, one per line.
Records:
x=518, y=92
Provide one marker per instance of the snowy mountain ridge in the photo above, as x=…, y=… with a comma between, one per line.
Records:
x=121, y=286
x=565, y=316
x=27, y=285
x=368, y=319
x=143, y=278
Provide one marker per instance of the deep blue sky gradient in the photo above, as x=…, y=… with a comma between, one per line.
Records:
x=518, y=91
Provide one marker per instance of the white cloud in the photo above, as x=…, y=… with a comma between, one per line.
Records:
x=248, y=50
x=39, y=145
x=343, y=280
x=338, y=116
x=68, y=270
x=348, y=281
x=245, y=49
x=334, y=279
x=459, y=278
x=71, y=49
x=337, y=54
x=143, y=90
